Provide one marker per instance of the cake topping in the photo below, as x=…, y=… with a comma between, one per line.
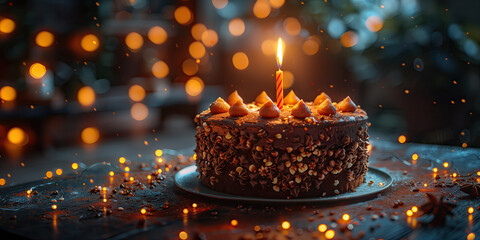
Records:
x=347, y=105
x=326, y=108
x=320, y=98
x=291, y=98
x=219, y=106
x=233, y=98
x=300, y=110
x=262, y=98
x=269, y=110
x=238, y=109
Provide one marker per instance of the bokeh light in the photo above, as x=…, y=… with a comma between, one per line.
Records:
x=49, y=174
x=194, y=86
x=311, y=46
x=74, y=166
x=59, y=171
x=37, y=70
x=139, y=111
x=157, y=35
x=322, y=228
x=219, y=4
x=236, y=27
x=90, y=135
x=240, y=60
x=261, y=9
x=44, y=39
x=7, y=25
x=17, y=136
x=277, y=3
x=196, y=50
x=160, y=69
x=134, y=41
x=183, y=15
x=292, y=26
x=2, y=181
x=269, y=47
x=189, y=67
x=288, y=79
x=136, y=93
x=197, y=31
x=183, y=235
x=402, y=139
x=285, y=225
x=8, y=93
x=329, y=234
x=90, y=43
x=349, y=39
x=86, y=96
x=209, y=38
x=374, y=23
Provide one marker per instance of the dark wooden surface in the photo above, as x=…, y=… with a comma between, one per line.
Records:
x=83, y=214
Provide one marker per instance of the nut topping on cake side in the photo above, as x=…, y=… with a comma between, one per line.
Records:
x=306, y=149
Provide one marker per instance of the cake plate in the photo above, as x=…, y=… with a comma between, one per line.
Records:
x=187, y=180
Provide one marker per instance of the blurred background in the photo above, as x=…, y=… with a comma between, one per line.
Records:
x=102, y=76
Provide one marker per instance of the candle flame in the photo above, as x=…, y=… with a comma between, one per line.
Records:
x=279, y=53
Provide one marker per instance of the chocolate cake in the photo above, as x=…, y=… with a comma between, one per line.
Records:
x=306, y=149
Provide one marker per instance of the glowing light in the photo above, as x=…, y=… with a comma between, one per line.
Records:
x=127, y=169
x=17, y=136
x=409, y=213
x=349, y=39
x=454, y=175
x=143, y=211
x=37, y=70
x=7, y=25
x=345, y=217
x=414, y=156
x=183, y=15
x=445, y=164
x=157, y=35
x=185, y=211
x=478, y=173
x=183, y=235
x=219, y=4
x=90, y=135
x=261, y=9
x=471, y=236
x=288, y=79
x=104, y=200
x=134, y=41
x=59, y=171
x=139, y=111
x=160, y=160
x=194, y=86
x=54, y=206
x=158, y=152
x=280, y=52
x=196, y=50
x=329, y=234
x=374, y=23
x=402, y=139
x=292, y=26
x=49, y=174
x=189, y=67
x=121, y=160
x=285, y=225
x=209, y=38
x=464, y=145
x=86, y=96
x=111, y=173
x=470, y=210
x=104, y=189
x=90, y=43
x=435, y=170
x=311, y=46
x=136, y=93
x=240, y=60
x=277, y=3
x=236, y=27
x=149, y=177
x=131, y=179
x=197, y=31
x=194, y=205
x=234, y=222
x=160, y=69
x=8, y=93
x=2, y=181
x=74, y=166
x=414, y=209
x=268, y=47
x=322, y=228
x=44, y=39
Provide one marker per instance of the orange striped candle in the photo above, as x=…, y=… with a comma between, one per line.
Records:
x=279, y=75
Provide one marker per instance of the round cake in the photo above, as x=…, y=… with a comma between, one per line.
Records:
x=304, y=149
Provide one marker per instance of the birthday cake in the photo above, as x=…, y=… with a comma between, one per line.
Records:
x=306, y=149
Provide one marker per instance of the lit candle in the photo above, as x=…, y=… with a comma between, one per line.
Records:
x=279, y=75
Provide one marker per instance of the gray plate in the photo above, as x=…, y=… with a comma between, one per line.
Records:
x=186, y=179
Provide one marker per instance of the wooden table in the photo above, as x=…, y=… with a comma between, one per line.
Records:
x=83, y=214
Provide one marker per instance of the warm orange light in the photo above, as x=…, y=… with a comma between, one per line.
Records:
x=292, y=26
x=136, y=93
x=139, y=111
x=121, y=160
x=74, y=166
x=90, y=135
x=240, y=60
x=134, y=41
x=194, y=205
x=374, y=23
x=158, y=152
x=160, y=69
x=7, y=25
x=454, y=175
x=277, y=3
x=322, y=228
x=345, y=217
x=183, y=235
x=8, y=93
x=414, y=156
x=219, y=4
x=111, y=173
x=279, y=53
x=261, y=9
x=185, y=211
x=196, y=50
x=54, y=206
x=435, y=170
x=143, y=211
x=44, y=39
x=190, y=67
x=17, y=136
x=209, y=38
x=37, y=70
x=234, y=222
x=329, y=234
x=471, y=236
x=470, y=210
x=285, y=225
x=2, y=181
x=90, y=43
x=236, y=27
x=194, y=86
x=183, y=15
x=349, y=39
x=49, y=174
x=311, y=46
x=86, y=96
x=127, y=169
x=197, y=31
x=402, y=139
x=59, y=171
x=445, y=164
x=414, y=209
x=409, y=213
x=157, y=35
